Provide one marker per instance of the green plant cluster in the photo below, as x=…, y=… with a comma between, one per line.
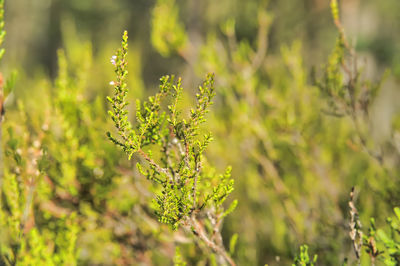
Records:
x=59, y=174
x=168, y=34
x=301, y=139
x=303, y=259
x=297, y=141
x=173, y=148
x=383, y=245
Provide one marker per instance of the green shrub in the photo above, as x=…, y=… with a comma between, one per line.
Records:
x=297, y=141
x=191, y=193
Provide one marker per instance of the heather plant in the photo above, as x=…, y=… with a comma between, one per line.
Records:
x=375, y=246
x=286, y=133
x=23, y=185
x=383, y=245
x=21, y=242
x=297, y=142
x=345, y=90
x=59, y=171
x=168, y=34
x=190, y=193
x=349, y=95
x=263, y=117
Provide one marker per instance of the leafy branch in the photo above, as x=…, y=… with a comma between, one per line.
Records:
x=347, y=93
x=172, y=147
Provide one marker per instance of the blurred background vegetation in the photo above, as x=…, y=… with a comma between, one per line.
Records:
x=293, y=163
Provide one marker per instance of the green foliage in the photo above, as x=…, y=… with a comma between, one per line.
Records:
x=10, y=84
x=303, y=259
x=180, y=170
x=21, y=242
x=178, y=260
x=188, y=187
x=286, y=139
x=168, y=34
x=232, y=243
x=59, y=171
x=296, y=145
x=384, y=245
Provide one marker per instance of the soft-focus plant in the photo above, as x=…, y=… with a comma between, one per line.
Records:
x=285, y=135
x=22, y=241
x=168, y=33
x=303, y=259
x=382, y=245
x=59, y=171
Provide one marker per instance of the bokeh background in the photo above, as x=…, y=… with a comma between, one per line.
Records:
x=293, y=165
x=36, y=31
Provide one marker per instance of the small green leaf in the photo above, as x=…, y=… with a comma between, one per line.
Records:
x=232, y=243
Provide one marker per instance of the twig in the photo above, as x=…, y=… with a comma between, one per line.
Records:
x=154, y=164
x=197, y=169
x=216, y=223
x=351, y=71
x=168, y=163
x=355, y=228
x=262, y=38
x=377, y=156
x=198, y=230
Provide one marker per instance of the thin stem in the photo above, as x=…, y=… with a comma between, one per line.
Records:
x=350, y=70
x=356, y=234
x=262, y=39
x=219, y=249
x=154, y=164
